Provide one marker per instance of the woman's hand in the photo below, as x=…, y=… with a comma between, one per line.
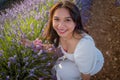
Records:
x=26, y=42
x=86, y=76
x=49, y=48
x=37, y=45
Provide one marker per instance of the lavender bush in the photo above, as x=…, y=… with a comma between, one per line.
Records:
x=18, y=62
x=23, y=64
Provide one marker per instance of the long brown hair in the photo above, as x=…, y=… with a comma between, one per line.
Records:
x=51, y=34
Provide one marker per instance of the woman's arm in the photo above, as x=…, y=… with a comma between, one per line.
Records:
x=37, y=45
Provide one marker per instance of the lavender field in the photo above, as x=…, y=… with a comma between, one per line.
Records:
x=24, y=20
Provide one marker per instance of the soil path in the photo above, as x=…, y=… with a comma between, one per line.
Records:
x=104, y=26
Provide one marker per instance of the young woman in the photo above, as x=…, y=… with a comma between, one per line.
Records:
x=81, y=59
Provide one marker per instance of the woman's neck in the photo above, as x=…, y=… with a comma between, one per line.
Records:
x=69, y=45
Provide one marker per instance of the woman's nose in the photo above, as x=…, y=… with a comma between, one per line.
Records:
x=61, y=24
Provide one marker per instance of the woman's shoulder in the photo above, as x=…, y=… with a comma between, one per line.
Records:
x=86, y=36
x=86, y=46
x=86, y=40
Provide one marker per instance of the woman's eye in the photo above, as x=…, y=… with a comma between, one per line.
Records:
x=56, y=19
x=68, y=20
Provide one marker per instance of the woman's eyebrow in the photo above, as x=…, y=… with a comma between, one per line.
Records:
x=58, y=17
x=55, y=17
x=69, y=17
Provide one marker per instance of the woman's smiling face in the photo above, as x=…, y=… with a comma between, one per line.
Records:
x=63, y=23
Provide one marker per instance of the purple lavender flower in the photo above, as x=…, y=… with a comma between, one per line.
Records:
x=7, y=77
x=1, y=53
x=32, y=71
x=117, y=3
x=35, y=56
x=9, y=63
x=48, y=64
x=43, y=58
x=25, y=59
x=12, y=59
x=85, y=6
x=38, y=17
x=32, y=75
x=33, y=61
x=26, y=64
x=40, y=52
x=41, y=78
x=3, y=73
x=1, y=37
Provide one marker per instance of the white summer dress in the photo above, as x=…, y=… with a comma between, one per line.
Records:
x=86, y=59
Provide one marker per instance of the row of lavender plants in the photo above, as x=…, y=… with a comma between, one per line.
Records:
x=18, y=62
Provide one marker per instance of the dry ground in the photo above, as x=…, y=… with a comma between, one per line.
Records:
x=104, y=26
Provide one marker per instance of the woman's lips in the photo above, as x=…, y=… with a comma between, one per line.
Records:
x=62, y=31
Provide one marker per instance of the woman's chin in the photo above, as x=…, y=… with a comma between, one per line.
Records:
x=62, y=35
